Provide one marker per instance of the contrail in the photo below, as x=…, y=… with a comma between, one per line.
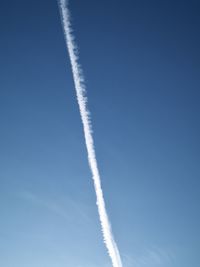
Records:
x=86, y=121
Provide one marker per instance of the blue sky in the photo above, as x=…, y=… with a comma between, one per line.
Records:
x=141, y=64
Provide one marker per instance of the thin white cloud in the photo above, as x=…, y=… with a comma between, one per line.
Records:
x=62, y=208
x=86, y=121
x=149, y=257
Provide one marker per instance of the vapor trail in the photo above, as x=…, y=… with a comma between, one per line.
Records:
x=85, y=116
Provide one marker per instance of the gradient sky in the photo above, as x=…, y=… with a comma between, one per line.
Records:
x=141, y=61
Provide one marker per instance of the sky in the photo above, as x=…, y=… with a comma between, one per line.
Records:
x=141, y=63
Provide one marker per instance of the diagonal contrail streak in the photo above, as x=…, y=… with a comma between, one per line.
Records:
x=86, y=121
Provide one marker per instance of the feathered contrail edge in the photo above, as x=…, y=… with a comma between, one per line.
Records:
x=86, y=121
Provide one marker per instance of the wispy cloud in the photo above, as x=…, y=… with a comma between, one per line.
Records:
x=63, y=208
x=86, y=121
x=149, y=257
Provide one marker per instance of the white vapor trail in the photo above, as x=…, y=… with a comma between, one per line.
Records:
x=86, y=121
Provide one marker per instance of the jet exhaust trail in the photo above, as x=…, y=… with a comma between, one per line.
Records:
x=86, y=121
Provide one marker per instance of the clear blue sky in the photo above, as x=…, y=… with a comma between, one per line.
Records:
x=141, y=61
